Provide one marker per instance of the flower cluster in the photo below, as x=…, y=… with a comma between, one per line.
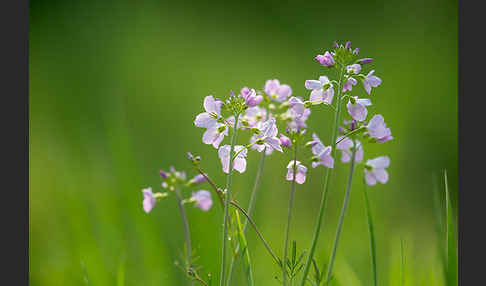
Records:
x=173, y=181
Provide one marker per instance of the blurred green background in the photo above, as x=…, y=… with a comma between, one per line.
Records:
x=115, y=87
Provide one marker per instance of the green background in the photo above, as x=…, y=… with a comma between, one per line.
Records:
x=115, y=87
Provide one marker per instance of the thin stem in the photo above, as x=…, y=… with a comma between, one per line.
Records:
x=250, y=208
x=326, y=184
x=372, y=235
x=187, y=233
x=252, y=223
x=226, y=203
x=402, y=264
x=347, y=135
x=289, y=217
x=341, y=218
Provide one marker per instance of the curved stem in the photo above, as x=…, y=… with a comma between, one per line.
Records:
x=187, y=233
x=250, y=208
x=322, y=206
x=289, y=217
x=252, y=223
x=226, y=203
x=372, y=235
x=341, y=218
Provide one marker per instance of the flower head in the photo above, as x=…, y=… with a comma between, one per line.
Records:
x=297, y=106
x=239, y=163
x=202, y=199
x=322, y=90
x=375, y=170
x=371, y=81
x=378, y=130
x=358, y=110
x=209, y=118
x=148, y=200
x=251, y=97
x=276, y=91
x=301, y=172
x=322, y=153
x=326, y=59
x=254, y=115
x=267, y=138
x=345, y=144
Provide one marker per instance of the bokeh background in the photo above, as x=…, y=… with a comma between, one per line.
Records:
x=115, y=87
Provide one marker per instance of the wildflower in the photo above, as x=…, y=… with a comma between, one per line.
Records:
x=209, y=118
x=326, y=59
x=345, y=144
x=375, y=170
x=371, y=81
x=267, y=137
x=322, y=90
x=198, y=179
x=297, y=106
x=301, y=172
x=297, y=121
x=250, y=96
x=202, y=199
x=348, y=85
x=148, y=200
x=322, y=153
x=378, y=130
x=239, y=163
x=285, y=141
x=276, y=91
x=215, y=134
x=353, y=69
x=253, y=115
x=357, y=108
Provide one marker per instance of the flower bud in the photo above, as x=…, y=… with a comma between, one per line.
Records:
x=335, y=44
x=348, y=45
x=365, y=61
x=356, y=51
x=198, y=179
x=285, y=141
x=164, y=174
x=326, y=59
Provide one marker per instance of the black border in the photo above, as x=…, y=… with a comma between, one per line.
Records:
x=14, y=212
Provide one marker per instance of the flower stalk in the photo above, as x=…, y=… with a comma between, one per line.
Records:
x=289, y=217
x=227, y=202
x=371, y=233
x=187, y=233
x=322, y=207
x=341, y=218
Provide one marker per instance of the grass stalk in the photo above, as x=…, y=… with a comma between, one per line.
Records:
x=372, y=235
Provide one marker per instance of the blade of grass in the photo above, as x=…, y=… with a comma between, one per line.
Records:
x=402, y=264
x=244, y=248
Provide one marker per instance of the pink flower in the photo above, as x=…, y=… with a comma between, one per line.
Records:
x=203, y=200
x=276, y=91
x=345, y=146
x=267, y=137
x=322, y=153
x=239, y=163
x=378, y=130
x=375, y=170
x=254, y=115
x=358, y=110
x=285, y=141
x=148, y=200
x=250, y=96
x=209, y=118
x=371, y=81
x=326, y=59
x=322, y=90
x=301, y=172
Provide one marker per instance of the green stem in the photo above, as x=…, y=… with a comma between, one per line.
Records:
x=289, y=217
x=341, y=218
x=402, y=264
x=250, y=208
x=372, y=235
x=187, y=233
x=326, y=184
x=252, y=223
x=226, y=203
